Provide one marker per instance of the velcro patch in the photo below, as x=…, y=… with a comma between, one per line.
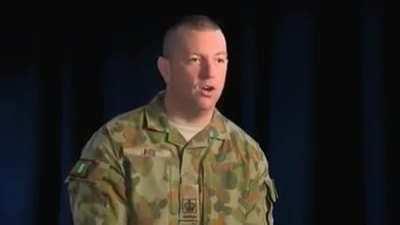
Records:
x=272, y=191
x=147, y=152
x=82, y=168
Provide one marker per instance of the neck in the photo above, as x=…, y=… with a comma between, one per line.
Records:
x=182, y=114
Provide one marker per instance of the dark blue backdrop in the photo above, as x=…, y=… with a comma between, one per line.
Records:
x=309, y=87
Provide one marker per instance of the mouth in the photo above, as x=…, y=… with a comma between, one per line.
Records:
x=206, y=90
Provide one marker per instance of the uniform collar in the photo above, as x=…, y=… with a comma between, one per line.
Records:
x=156, y=120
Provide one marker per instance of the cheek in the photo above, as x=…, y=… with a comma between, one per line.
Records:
x=181, y=84
x=184, y=74
x=221, y=78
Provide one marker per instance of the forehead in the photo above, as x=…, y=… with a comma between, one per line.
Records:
x=207, y=41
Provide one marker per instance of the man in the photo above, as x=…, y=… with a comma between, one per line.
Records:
x=177, y=160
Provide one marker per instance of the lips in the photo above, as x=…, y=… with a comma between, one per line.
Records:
x=206, y=90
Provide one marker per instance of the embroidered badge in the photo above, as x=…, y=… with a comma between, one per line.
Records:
x=82, y=168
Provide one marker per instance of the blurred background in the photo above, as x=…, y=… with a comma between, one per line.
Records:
x=306, y=82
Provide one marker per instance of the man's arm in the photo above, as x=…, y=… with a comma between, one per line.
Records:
x=267, y=184
x=96, y=184
x=264, y=189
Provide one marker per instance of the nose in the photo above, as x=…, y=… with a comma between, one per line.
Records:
x=207, y=69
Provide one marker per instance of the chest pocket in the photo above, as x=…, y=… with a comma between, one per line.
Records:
x=150, y=184
x=224, y=178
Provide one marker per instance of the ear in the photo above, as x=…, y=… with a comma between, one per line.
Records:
x=164, y=68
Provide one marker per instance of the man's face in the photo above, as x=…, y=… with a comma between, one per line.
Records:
x=197, y=68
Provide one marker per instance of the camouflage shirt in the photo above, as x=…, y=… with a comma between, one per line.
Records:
x=139, y=170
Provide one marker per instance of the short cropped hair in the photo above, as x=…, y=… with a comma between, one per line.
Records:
x=193, y=22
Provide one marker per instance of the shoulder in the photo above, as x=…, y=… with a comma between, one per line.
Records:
x=237, y=133
x=242, y=140
x=250, y=151
x=133, y=119
x=114, y=133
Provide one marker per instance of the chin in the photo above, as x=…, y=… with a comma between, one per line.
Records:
x=206, y=106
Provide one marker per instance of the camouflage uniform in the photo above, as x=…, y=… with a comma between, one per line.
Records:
x=138, y=170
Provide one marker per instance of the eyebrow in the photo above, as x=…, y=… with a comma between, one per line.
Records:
x=222, y=53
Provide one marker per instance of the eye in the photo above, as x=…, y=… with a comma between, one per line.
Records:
x=194, y=59
x=222, y=60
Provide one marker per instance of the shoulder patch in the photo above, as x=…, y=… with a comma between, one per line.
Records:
x=82, y=168
x=273, y=192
